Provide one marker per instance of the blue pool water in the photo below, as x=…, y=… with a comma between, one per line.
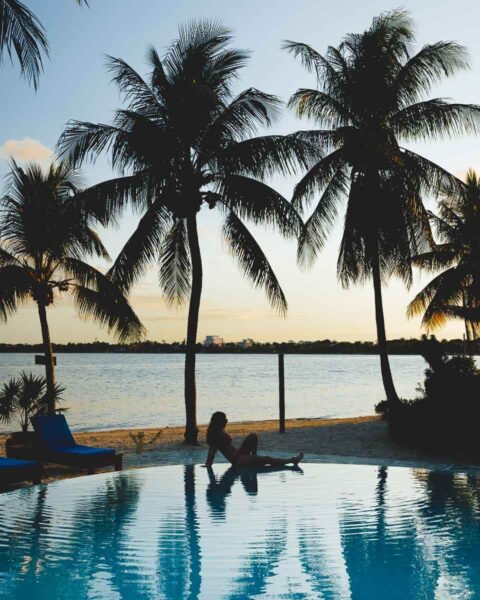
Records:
x=331, y=531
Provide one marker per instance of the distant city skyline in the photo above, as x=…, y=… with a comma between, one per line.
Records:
x=76, y=85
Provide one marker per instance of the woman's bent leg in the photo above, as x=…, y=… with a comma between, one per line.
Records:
x=249, y=445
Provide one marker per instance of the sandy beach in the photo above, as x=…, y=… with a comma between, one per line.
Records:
x=362, y=440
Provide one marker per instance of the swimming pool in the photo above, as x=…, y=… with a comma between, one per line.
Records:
x=180, y=532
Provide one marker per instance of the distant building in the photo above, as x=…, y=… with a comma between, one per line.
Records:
x=247, y=343
x=213, y=340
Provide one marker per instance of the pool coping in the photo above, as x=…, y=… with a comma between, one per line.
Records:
x=184, y=458
x=188, y=458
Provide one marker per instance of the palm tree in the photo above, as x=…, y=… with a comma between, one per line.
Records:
x=22, y=34
x=44, y=234
x=183, y=143
x=370, y=95
x=455, y=292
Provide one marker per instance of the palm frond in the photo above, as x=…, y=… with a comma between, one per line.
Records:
x=82, y=140
x=321, y=107
x=444, y=289
x=133, y=87
x=175, y=265
x=251, y=199
x=142, y=248
x=15, y=288
x=442, y=256
x=22, y=34
x=238, y=119
x=253, y=261
x=159, y=82
x=106, y=201
x=317, y=178
x=317, y=227
x=435, y=119
x=432, y=178
x=312, y=60
x=427, y=67
x=108, y=307
x=265, y=156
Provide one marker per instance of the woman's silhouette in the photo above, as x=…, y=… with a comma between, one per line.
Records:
x=246, y=455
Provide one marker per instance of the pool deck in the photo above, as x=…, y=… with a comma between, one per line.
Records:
x=362, y=441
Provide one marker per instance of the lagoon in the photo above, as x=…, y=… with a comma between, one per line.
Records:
x=120, y=391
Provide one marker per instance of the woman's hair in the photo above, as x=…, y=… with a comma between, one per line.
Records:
x=217, y=423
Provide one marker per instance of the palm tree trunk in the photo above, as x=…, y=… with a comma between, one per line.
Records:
x=468, y=329
x=467, y=339
x=387, y=378
x=49, y=363
x=191, y=429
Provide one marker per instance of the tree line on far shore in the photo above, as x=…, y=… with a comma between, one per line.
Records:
x=396, y=346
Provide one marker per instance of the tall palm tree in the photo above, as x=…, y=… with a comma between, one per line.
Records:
x=22, y=34
x=370, y=96
x=184, y=142
x=44, y=235
x=455, y=292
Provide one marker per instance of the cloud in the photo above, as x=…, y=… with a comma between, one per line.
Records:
x=25, y=150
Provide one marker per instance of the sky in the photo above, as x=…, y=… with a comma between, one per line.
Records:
x=76, y=85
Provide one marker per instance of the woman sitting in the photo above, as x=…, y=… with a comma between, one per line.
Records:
x=246, y=455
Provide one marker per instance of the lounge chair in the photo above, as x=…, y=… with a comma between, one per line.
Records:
x=57, y=445
x=13, y=470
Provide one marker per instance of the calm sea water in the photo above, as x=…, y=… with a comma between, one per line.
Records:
x=109, y=391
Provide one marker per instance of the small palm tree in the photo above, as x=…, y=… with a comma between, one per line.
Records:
x=455, y=292
x=184, y=142
x=22, y=34
x=25, y=397
x=371, y=96
x=44, y=234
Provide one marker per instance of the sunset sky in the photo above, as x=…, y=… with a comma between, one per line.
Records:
x=76, y=85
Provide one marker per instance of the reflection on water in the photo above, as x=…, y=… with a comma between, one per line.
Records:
x=329, y=531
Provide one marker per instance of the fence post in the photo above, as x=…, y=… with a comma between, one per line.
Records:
x=281, y=391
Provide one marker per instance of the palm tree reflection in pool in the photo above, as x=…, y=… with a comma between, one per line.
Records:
x=97, y=540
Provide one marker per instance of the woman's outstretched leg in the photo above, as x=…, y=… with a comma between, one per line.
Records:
x=263, y=461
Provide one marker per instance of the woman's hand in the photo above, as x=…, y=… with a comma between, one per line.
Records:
x=211, y=457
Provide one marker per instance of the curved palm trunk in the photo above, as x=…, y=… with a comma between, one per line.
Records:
x=191, y=429
x=49, y=364
x=387, y=378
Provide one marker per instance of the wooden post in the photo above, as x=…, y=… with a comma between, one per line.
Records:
x=281, y=391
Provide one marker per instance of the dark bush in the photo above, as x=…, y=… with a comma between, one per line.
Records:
x=445, y=417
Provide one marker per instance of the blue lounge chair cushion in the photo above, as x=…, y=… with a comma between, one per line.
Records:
x=78, y=450
x=15, y=463
x=53, y=430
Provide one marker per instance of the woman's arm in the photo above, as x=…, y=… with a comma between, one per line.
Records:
x=211, y=456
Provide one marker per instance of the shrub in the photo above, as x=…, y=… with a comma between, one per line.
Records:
x=140, y=442
x=24, y=397
x=445, y=415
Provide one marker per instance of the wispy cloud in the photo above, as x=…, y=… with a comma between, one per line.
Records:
x=25, y=150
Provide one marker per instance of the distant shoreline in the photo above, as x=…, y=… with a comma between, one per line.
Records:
x=395, y=347
x=393, y=353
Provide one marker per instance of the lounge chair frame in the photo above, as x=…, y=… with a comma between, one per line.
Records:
x=90, y=462
x=31, y=472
